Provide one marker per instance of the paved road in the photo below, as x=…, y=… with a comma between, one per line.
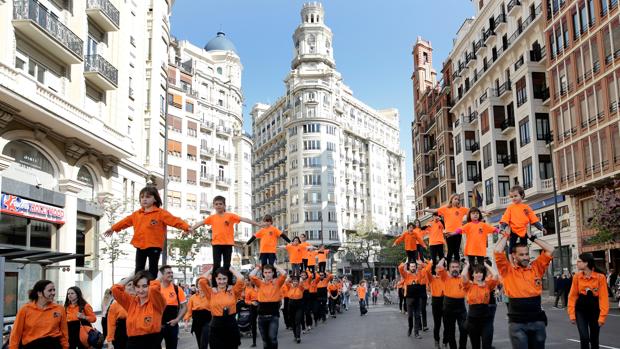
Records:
x=384, y=327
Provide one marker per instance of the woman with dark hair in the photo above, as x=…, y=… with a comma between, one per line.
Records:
x=588, y=301
x=150, y=224
x=269, y=297
x=198, y=309
x=145, y=309
x=294, y=255
x=223, y=329
x=478, y=294
x=117, y=321
x=40, y=323
x=476, y=232
x=79, y=313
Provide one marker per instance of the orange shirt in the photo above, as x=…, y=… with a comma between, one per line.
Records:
x=420, y=233
x=171, y=297
x=313, y=283
x=223, y=228
x=361, y=292
x=142, y=318
x=295, y=292
x=322, y=255
x=476, y=294
x=452, y=217
x=411, y=240
x=196, y=302
x=294, y=253
x=435, y=234
x=268, y=239
x=476, y=241
x=409, y=278
x=522, y=282
x=333, y=288
x=116, y=312
x=452, y=285
x=251, y=295
x=436, y=284
x=73, y=310
x=323, y=283
x=311, y=255
x=269, y=291
x=597, y=283
x=33, y=323
x=303, y=249
x=222, y=299
x=149, y=228
x=518, y=216
x=284, y=290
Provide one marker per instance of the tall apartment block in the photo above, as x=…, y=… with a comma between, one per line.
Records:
x=583, y=70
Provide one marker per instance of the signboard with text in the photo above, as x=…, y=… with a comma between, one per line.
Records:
x=18, y=206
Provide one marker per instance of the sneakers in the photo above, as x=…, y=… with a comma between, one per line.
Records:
x=425, y=329
x=253, y=345
x=437, y=346
x=409, y=332
x=298, y=340
x=417, y=335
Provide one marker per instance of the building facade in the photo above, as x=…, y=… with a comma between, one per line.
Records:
x=502, y=125
x=433, y=146
x=583, y=45
x=208, y=152
x=324, y=161
x=81, y=121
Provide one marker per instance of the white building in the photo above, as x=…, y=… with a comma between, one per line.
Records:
x=208, y=152
x=500, y=102
x=409, y=208
x=82, y=91
x=323, y=160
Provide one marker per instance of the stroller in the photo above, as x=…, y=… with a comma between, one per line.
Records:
x=387, y=298
x=244, y=319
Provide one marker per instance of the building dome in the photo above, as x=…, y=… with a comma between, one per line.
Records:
x=220, y=43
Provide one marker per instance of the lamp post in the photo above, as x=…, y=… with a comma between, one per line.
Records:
x=164, y=253
x=549, y=142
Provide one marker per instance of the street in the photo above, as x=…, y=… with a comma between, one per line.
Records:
x=385, y=327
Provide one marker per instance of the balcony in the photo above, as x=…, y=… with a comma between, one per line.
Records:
x=506, y=86
x=223, y=130
x=484, y=96
x=478, y=45
x=46, y=31
x=508, y=160
x=207, y=125
x=541, y=93
x=470, y=58
x=546, y=185
x=431, y=185
x=472, y=117
x=100, y=72
x=204, y=151
x=474, y=147
x=504, y=201
x=500, y=21
x=512, y=5
x=222, y=155
x=476, y=179
x=221, y=181
x=538, y=54
x=507, y=124
x=519, y=63
x=206, y=178
x=488, y=34
x=104, y=14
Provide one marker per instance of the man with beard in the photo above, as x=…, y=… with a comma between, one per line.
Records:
x=454, y=311
x=523, y=286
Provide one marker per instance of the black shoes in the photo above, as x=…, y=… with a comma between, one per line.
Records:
x=409, y=332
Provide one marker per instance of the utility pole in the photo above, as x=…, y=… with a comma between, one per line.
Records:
x=164, y=253
x=549, y=142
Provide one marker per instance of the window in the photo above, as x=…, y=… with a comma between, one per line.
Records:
x=11, y=296
x=457, y=144
x=333, y=235
x=191, y=201
x=527, y=173
x=543, y=130
x=591, y=12
x=85, y=177
x=524, y=131
x=331, y=130
x=575, y=25
x=486, y=154
x=312, y=128
x=314, y=161
x=189, y=107
x=484, y=121
x=174, y=173
x=293, y=147
x=203, y=169
x=191, y=177
x=472, y=170
x=174, y=123
x=331, y=146
x=331, y=216
x=174, y=148
x=459, y=173
x=312, y=198
x=174, y=198
x=503, y=186
x=488, y=191
x=292, y=131
x=470, y=139
x=175, y=100
x=312, y=179
x=545, y=167
x=220, y=172
x=521, y=92
x=312, y=145
x=547, y=219
x=192, y=129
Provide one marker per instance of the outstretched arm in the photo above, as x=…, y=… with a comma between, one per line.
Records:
x=465, y=273
x=430, y=210
x=254, y=223
x=500, y=246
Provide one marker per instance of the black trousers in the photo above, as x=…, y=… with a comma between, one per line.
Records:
x=413, y=313
x=516, y=239
x=152, y=253
x=74, y=335
x=304, y=264
x=587, y=324
x=421, y=252
x=451, y=319
x=170, y=335
x=309, y=301
x=454, y=247
x=221, y=253
x=480, y=332
x=43, y=343
x=151, y=341
x=475, y=260
x=332, y=305
x=423, y=302
x=401, y=299
x=411, y=256
x=321, y=308
x=436, y=253
x=322, y=266
x=437, y=307
x=287, y=321
x=296, y=315
x=253, y=321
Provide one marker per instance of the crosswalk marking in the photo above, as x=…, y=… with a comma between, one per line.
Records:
x=600, y=345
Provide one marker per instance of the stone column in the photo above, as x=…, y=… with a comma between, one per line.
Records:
x=5, y=162
x=67, y=234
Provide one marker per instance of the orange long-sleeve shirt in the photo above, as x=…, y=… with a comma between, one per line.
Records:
x=322, y=255
x=149, y=228
x=33, y=323
x=323, y=283
x=518, y=216
x=597, y=284
x=303, y=249
x=361, y=292
x=435, y=233
x=311, y=255
x=476, y=240
x=434, y=282
x=294, y=253
x=452, y=285
x=268, y=239
x=452, y=217
x=269, y=291
x=222, y=228
x=295, y=292
x=144, y=318
x=222, y=299
x=522, y=282
x=411, y=240
x=251, y=295
x=313, y=282
x=196, y=302
x=409, y=278
x=477, y=294
x=284, y=290
x=116, y=312
x=74, y=309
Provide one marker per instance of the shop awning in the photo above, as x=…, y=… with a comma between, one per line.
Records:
x=43, y=258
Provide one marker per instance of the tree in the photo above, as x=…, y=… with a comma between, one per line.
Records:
x=112, y=248
x=183, y=251
x=606, y=215
x=364, y=243
x=391, y=255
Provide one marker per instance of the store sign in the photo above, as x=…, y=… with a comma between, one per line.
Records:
x=15, y=205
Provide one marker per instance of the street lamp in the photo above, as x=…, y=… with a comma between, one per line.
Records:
x=164, y=252
x=549, y=142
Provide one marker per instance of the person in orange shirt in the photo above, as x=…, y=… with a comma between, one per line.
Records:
x=295, y=294
x=268, y=236
x=436, y=239
x=40, y=323
x=144, y=309
x=454, y=311
x=413, y=283
x=420, y=233
x=176, y=306
x=436, y=285
x=478, y=294
x=117, y=322
x=198, y=309
x=518, y=216
x=251, y=299
x=285, y=300
x=223, y=233
x=333, y=294
x=321, y=255
x=362, y=289
x=321, y=296
x=453, y=215
x=269, y=297
x=294, y=255
x=401, y=296
x=411, y=240
x=149, y=224
x=79, y=313
x=309, y=281
x=476, y=233
x=311, y=259
x=223, y=329
x=588, y=301
x=522, y=282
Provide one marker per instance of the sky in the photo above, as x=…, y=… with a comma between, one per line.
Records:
x=373, y=41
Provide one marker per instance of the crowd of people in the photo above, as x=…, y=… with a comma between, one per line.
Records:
x=142, y=310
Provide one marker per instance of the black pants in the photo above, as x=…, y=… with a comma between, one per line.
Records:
x=587, y=324
x=332, y=305
x=516, y=239
x=268, y=326
x=475, y=260
x=152, y=253
x=296, y=315
x=421, y=252
x=253, y=321
x=480, y=331
x=287, y=320
x=321, y=308
x=74, y=335
x=437, y=307
x=170, y=335
x=423, y=302
x=304, y=264
x=411, y=256
x=312, y=268
x=452, y=318
x=413, y=313
x=152, y=340
x=200, y=327
x=221, y=253
x=43, y=343
x=322, y=267
x=267, y=258
x=120, y=334
x=309, y=301
x=436, y=253
x=454, y=248
x=401, y=300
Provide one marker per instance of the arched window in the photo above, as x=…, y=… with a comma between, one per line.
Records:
x=31, y=165
x=219, y=70
x=85, y=177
